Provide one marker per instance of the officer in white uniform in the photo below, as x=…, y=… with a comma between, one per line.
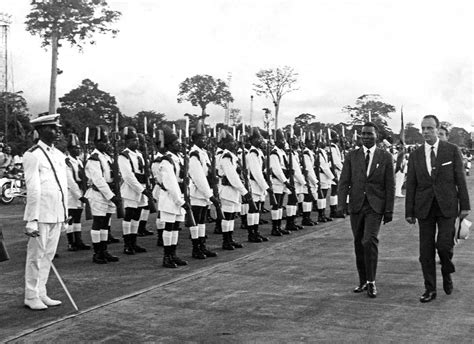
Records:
x=280, y=182
x=75, y=178
x=259, y=186
x=101, y=197
x=231, y=189
x=310, y=194
x=171, y=205
x=200, y=193
x=133, y=190
x=46, y=209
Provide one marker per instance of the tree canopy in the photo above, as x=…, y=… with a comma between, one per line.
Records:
x=87, y=105
x=274, y=84
x=202, y=90
x=75, y=21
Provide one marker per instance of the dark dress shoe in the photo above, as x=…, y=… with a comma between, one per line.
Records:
x=360, y=288
x=447, y=284
x=428, y=296
x=371, y=290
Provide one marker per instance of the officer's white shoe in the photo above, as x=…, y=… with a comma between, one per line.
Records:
x=35, y=304
x=50, y=302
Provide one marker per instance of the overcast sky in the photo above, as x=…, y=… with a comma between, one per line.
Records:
x=418, y=54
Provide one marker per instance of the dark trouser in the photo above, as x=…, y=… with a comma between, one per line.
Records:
x=429, y=243
x=365, y=228
x=199, y=213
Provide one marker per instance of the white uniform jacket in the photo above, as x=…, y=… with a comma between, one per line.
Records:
x=155, y=171
x=337, y=159
x=46, y=184
x=255, y=160
x=231, y=187
x=74, y=171
x=171, y=197
x=309, y=159
x=99, y=174
x=326, y=176
x=132, y=166
x=199, y=188
x=278, y=161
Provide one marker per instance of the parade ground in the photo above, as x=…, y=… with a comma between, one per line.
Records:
x=292, y=289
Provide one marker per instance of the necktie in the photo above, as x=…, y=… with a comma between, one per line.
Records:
x=433, y=159
x=367, y=160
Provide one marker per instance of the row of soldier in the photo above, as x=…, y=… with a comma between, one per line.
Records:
x=185, y=176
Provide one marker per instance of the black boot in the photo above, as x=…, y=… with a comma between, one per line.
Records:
x=282, y=230
x=321, y=217
x=226, y=243
x=178, y=261
x=218, y=227
x=142, y=231
x=167, y=260
x=159, y=239
x=127, y=245
x=111, y=239
x=257, y=233
x=107, y=256
x=290, y=224
x=136, y=248
x=202, y=246
x=253, y=236
x=307, y=221
x=79, y=243
x=275, y=231
x=335, y=213
x=234, y=243
x=71, y=244
x=197, y=253
x=98, y=257
x=243, y=223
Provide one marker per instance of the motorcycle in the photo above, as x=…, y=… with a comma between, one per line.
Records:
x=12, y=186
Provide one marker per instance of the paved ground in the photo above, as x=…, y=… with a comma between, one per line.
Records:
x=292, y=289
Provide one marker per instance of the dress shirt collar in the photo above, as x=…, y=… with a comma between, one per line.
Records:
x=45, y=146
x=428, y=147
x=371, y=150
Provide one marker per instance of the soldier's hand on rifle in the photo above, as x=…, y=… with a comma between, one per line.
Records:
x=186, y=207
x=214, y=200
x=289, y=186
x=270, y=191
x=247, y=197
x=147, y=193
x=83, y=199
x=116, y=200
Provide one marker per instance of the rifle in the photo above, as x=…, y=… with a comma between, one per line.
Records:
x=305, y=174
x=268, y=176
x=333, y=167
x=213, y=180
x=189, y=220
x=245, y=176
x=83, y=185
x=292, y=198
x=151, y=202
x=116, y=172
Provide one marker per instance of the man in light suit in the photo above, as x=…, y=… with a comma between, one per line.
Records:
x=46, y=209
x=436, y=194
x=367, y=176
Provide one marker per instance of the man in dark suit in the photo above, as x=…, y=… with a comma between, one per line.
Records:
x=436, y=194
x=367, y=177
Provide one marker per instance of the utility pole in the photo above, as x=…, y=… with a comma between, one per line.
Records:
x=5, y=21
x=227, y=110
x=251, y=111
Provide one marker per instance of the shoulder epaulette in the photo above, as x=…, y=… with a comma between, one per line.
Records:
x=94, y=157
x=253, y=150
x=307, y=152
x=274, y=151
x=125, y=154
x=68, y=162
x=195, y=154
x=32, y=149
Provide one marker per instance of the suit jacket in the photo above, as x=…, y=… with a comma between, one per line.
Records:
x=447, y=183
x=378, y=186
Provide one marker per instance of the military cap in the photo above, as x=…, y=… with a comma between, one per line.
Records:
x=47, y=120
x=169, y=136
x=129, y=133
x=279, y=135
x=225, y=136
x=101, y=134
x=73, y=141
x=310, y=137
x=255, y=134
x=200, y=130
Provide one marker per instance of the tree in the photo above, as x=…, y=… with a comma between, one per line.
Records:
x=412, y=134
x=371, y=104
x=303, y=120
x=87, y=106
x=267, y=119
x=235, y=117
x=18, y=121
x=75, y=21
x=202, y=90
x=274, y=84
